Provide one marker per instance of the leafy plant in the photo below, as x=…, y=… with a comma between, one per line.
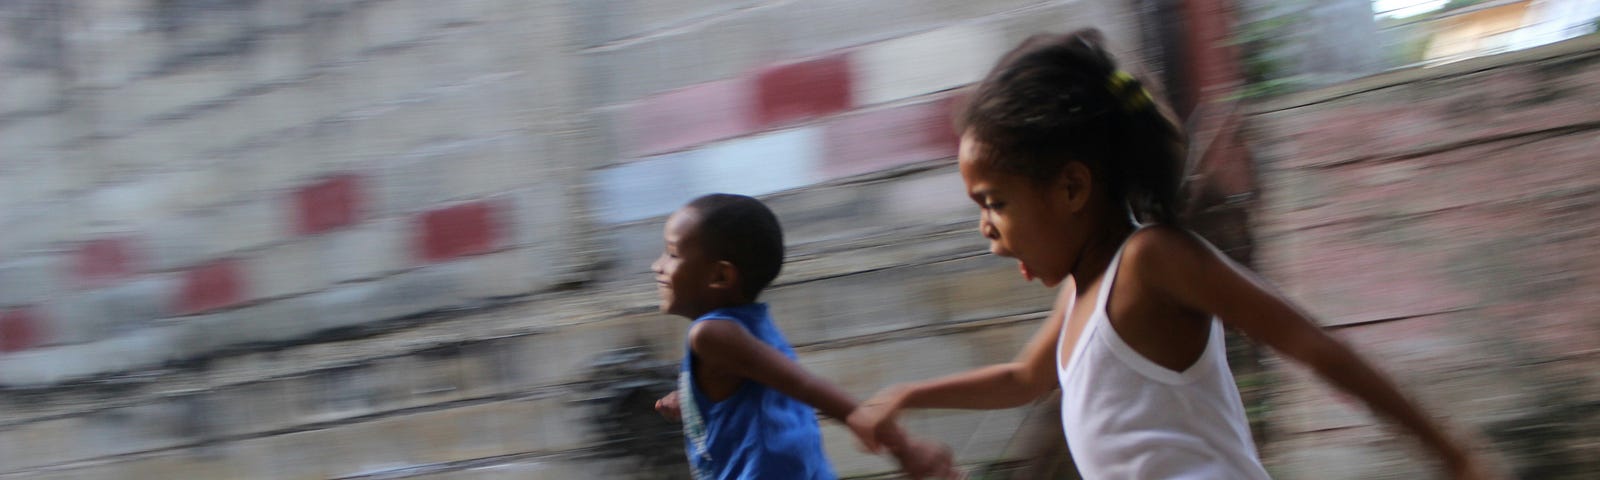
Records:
x=1262, y=41
x=1455, y=4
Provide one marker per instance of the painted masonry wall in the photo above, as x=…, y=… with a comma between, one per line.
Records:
x=377, y=238
x=1444, y=222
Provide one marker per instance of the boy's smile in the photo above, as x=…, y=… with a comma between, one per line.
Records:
x=683, y=272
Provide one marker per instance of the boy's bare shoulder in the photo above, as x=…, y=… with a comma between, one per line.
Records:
x=717, y=334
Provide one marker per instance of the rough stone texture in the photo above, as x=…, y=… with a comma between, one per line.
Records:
x=1442, y=221
x=364, y=239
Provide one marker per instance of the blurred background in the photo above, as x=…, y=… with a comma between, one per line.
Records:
x=409, y=238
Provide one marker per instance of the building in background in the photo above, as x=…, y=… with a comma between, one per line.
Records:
x=1550, y=21
x=399, y=238
x=1464, y=29
x=1483, y=29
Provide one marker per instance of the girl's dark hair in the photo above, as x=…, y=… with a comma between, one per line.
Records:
x=744, y=232
x=1059, y=98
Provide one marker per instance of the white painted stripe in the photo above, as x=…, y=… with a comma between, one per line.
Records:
x=924, y=63
x=748, y=166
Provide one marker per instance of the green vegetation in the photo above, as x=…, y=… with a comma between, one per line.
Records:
x=1455, y=4
x=1261, y=42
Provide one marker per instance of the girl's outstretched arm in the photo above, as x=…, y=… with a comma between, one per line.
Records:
x=1031, y=375
x=1190, y=272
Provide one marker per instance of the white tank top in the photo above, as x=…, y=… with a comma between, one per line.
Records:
x=1128, y=418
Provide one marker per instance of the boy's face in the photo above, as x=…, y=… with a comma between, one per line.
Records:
x=684, y=273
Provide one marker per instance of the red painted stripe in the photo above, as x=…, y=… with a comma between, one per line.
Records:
x=460, y=230
x=327, y=204
x=101, y=261
x=881, y=139
x=20, y=329
x=212, y=286
x=692, y=116
x=803, y=90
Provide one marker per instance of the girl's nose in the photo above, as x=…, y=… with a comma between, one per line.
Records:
x=998, y=251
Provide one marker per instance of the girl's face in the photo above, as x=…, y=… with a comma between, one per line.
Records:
x=1031, y=221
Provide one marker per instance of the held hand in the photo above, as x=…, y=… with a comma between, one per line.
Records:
x=1467, y=457
x=873, y=421
x=668, y=407
x=1470, y=466
x=1474, y=470
x=921, y=459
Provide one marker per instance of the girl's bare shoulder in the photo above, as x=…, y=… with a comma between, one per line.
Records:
x=1164, y=244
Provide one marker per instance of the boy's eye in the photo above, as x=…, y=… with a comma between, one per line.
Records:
x=994, y=205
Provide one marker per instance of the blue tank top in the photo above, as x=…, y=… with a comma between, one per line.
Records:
x=758, y=432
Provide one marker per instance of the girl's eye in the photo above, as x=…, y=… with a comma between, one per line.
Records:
x=994, y=205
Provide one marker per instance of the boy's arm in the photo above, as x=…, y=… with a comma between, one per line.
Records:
x=1189, y=271
x=726, y=346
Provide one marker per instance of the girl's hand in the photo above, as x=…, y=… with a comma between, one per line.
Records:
x=873, y=421
x=923, y=459
x=668, y=407
x=1473, y=470
x=1470, y=465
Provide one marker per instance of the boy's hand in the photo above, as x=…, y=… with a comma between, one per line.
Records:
x=924, y=459
x=668, y=406
x=873, y=421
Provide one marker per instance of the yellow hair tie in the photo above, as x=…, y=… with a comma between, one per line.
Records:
x=1126, y=88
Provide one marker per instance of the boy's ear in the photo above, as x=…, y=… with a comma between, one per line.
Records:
x=725, y=275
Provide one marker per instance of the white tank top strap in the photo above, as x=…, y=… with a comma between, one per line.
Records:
x=1095, y=318
x=1110, y=278
x=1126, y=417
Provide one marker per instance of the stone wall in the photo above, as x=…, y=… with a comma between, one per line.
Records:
x=1443, y=221
x=381, y=238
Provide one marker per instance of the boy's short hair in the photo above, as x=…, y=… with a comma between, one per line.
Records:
x=744, y=232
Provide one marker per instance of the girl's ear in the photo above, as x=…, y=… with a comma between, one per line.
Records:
x=1073, y=186
x=725, y=275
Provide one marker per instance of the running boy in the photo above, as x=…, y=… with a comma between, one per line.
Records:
x=1065, y=156
x=745, y=403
